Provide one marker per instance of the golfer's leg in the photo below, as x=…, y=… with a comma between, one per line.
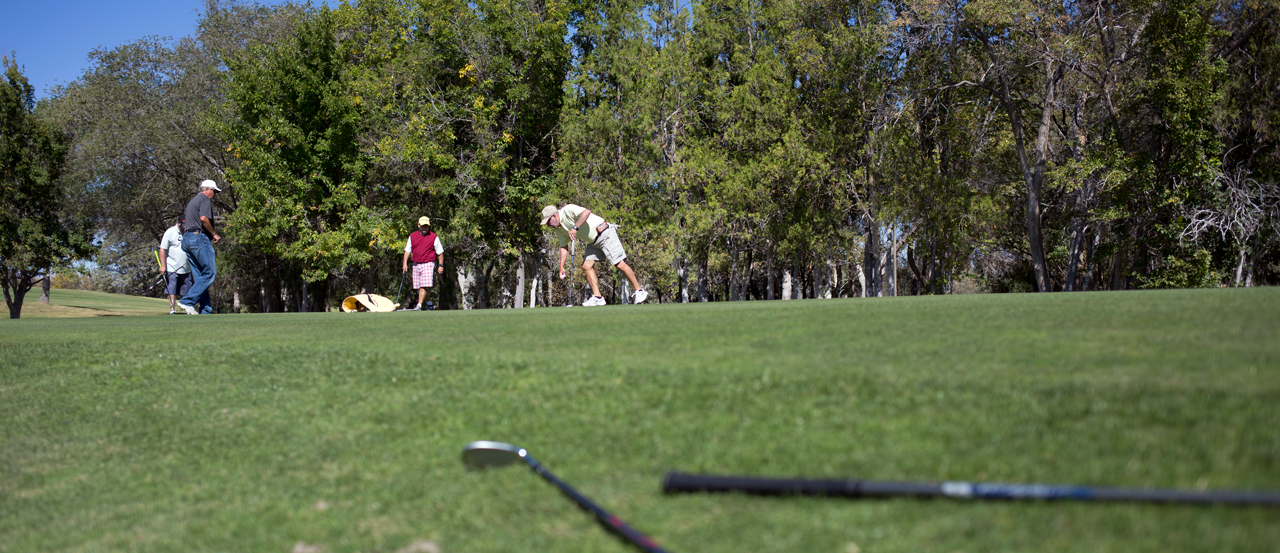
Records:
x=631, y=275
x=588, y=267
x=422, y=295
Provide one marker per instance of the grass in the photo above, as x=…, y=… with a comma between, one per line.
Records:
x=86, y=303
x=343, y=431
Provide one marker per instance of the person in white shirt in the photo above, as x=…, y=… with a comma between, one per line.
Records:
x=602, y=243
x=177, y=275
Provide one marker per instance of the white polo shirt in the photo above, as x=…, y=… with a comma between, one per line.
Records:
x=568, y=216
x=175, y=259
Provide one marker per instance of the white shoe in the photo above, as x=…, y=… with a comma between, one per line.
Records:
x=191, y=310
x=639, y=296
x=593, y=301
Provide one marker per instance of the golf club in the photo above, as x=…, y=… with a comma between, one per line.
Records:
x=485, y=454
x=675, y=482
x=401, y=289
x=572, y=260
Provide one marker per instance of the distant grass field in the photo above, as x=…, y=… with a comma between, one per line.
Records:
x=86, y=303
x=342, y=432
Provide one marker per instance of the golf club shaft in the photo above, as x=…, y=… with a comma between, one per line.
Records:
x=676, y=482
x=401, y=289
x=608, y=519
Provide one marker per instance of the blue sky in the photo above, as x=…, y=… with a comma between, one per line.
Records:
x=52, y=39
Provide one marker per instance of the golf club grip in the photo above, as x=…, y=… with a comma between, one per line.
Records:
x=675, y=482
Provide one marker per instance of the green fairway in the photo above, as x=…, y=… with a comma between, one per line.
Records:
x=87, y=303
x=342, y=432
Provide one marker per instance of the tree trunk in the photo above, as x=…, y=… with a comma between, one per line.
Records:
x=889, y=266
x=786, y=285
x=1073, y=253
x=733, y=273
x=1033, y=176
x=519, y=295
x=871, y=261
x=1053, y=73
x=1248, y=279
x=1240, y=267
x=533, y=289
x=935, y=268
x=768, y=271
x=702, y=280
x=46, y=285
x=833, y=280
x=481, y=288
x=682, y=279
x=466, y=281
x=1088, y=260
x=1117, y=270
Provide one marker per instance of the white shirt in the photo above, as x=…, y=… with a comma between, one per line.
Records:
x=408, y=245
x=175, y=259
x=569, y=216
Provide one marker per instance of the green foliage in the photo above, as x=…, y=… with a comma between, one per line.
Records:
x=1196, y=272
x=36, y=233
x=301, y=182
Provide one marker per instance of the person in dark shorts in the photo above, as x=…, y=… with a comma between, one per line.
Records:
x=177, y=273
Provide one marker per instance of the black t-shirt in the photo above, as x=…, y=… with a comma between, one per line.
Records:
x=199, y=205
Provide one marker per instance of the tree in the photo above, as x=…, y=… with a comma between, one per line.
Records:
x=34, y=233
x=301, y=176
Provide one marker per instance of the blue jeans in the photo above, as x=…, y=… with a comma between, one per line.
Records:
x=204, y=267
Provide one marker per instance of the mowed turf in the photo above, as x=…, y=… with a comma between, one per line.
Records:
x=342, y=432
x=87, y=303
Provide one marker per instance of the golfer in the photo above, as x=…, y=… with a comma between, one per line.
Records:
x=198, y=238
x=601, y=239
x=424, y=252
x=177, y=273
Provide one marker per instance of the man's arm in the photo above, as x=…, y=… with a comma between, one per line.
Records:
x=164, y=260
x=582, y=220
x=564, y=254
x=404, y=264
x=208, y=225
x=439, y=256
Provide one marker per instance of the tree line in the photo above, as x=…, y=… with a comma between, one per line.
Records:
x=750, y=149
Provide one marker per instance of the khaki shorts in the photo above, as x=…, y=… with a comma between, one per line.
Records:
x=607, y=246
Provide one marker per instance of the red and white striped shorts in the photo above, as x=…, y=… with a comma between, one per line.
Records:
x=424, y=275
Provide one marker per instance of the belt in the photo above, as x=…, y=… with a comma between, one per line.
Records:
x=600, y=231
x=197, y=230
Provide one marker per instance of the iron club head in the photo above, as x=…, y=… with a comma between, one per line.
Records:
x=485, y=454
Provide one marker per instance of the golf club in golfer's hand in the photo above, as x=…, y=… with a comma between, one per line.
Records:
x=484, y=454
x=676, y=482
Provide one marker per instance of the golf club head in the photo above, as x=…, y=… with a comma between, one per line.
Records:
x=485, y=454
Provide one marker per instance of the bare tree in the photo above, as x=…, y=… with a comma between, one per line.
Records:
x=1247, y=207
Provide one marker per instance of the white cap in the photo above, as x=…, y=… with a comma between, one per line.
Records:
x=210, y=184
